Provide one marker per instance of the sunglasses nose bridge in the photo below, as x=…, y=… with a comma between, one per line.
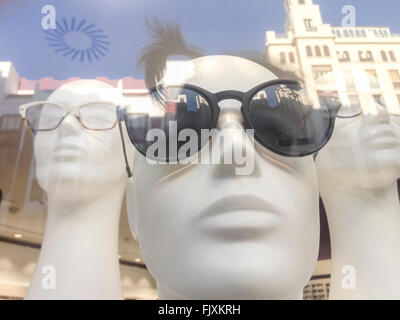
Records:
x=230, y=95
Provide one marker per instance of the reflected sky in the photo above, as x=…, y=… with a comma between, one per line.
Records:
x=215, y=25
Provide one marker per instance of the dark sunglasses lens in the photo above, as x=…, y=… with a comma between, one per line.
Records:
x=44, y=116
x=285, y=119
x=171, y=129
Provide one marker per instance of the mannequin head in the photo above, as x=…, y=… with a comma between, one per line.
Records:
x=72, y=162
x=364, y=151
x=206, y=232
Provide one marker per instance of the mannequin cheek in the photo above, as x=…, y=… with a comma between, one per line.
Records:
x=43, y=145
x=105, y=155
x=343, y=153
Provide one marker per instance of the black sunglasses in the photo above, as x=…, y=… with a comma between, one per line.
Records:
x=280, y=112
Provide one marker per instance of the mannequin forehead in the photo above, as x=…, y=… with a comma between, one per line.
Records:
x=85, y=91
x=218, y=73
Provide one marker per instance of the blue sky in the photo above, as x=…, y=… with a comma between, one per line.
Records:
x=217, y=26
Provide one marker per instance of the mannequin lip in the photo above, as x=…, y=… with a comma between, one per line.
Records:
x=238, y=217
x=383, y=134
x=68, y=150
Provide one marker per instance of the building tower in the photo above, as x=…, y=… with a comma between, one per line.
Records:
x=357, y=63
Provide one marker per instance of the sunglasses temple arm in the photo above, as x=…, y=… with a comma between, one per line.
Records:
x=128, y=170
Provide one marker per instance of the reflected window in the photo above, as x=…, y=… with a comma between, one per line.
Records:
x=282, y=57
x=344, y=56
x=326, y=51
x=317, y=51
x=365, y=56
x=322, y=74
x=392, y=56
x=4, y=152
x=372, y=79
x=11, y=123
x=349, y=80
x=309, y=25
x=379, y=99
x=384, y=56
x=291, y=57
x=395, y=76
x=354, y=101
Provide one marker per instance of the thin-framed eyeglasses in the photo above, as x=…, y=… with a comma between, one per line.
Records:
x=47, y=116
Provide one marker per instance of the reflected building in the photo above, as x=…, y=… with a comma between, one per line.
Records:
x=357, y=63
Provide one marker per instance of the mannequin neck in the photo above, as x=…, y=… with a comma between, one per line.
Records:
x=81, y=242
x=365, y=233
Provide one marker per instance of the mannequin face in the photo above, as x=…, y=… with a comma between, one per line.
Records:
x=73, y=162
x=364, y=151
x=206, y=232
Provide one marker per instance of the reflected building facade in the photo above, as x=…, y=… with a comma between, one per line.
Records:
x=357, y=63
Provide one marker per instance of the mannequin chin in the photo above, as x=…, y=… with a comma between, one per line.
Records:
x=357, y=172
x=196, y=252
x=83, y=173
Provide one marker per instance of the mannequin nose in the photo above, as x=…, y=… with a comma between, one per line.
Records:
x=70, y=125
x=235, y=148
x=230, y=115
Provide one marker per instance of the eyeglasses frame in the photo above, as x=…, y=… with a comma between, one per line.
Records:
x=23, y=108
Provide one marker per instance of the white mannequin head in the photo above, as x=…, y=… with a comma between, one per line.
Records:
x=364, y=151
x=264, y=246
x=72, y=162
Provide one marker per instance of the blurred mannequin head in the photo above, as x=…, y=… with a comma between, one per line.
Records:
x=73, y=162
x=206, y=232
x=364, y=151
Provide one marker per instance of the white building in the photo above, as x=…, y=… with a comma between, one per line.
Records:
x=358, y=63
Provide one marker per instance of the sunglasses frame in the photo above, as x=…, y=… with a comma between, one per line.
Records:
x=213, y=100
x=23, y=109
x=360, y=113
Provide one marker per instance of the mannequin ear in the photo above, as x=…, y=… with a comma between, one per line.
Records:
x=131, y=209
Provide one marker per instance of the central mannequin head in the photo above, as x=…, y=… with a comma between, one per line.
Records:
x=207, y=233
x=73, y=162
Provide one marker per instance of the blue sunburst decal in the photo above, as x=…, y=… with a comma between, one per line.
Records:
x=78, y=41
